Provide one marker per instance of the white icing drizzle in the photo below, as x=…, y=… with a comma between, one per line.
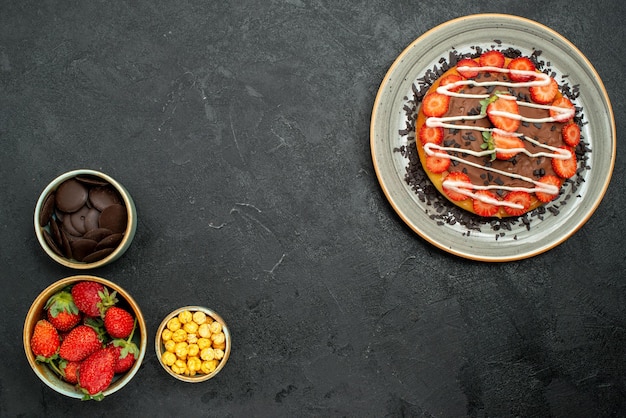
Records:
x=539, y=79
x=541, y=187
x=457, y=186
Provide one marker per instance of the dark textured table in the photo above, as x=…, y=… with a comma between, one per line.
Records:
x=241, y=129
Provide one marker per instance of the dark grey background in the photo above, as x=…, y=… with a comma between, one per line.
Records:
x=241, y=129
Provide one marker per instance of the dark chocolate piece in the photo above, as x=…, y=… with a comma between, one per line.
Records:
x=91, y=220
x=69, y=227
x=71, y=196
x=110, y=241
x=82, y=248
x=98, y=255
x=65, y=244
x=59, y=215
x=114, y=217
x=102, y=197
x=55, y=231
x=98, y=234
x=78, y=219
x=53, y=245
x=47, y=209
x=91, y=180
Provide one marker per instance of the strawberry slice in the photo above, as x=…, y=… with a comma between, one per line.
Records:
x=435, y=104
x=551, y=180
x=517, y=197
x=456, y=176
x=520, y=64
x=437, y=163
x=491, y=58
x=544, y=94
x=451, y=79
x=565, y=103
x=467, y=62
x=565, y=168
x=506, y=142
x=482, y=208
x=571, y=134
x=430, y=135
x=504, y=122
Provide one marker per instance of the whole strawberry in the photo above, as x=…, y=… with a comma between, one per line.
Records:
x=61, y=311
x=92, y=298
x=126, y=352
x=118, y=322
x=45, y=341
x=96, y=373
x=125, y=355
x=70, y=371
x=80, y=343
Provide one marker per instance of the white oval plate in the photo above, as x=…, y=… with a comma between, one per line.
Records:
x=389, y=118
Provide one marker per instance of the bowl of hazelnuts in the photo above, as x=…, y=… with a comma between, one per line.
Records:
x=85, y=219
x=193, y=344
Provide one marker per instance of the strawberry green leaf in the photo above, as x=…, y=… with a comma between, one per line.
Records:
x=61, y=302
x=486, y=102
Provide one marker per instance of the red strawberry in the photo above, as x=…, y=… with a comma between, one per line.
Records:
x=552, y=180
x=565, y=168
x=451, y=79
x=484, y=208
x=506, y=142
x=118, y=322
x=565, y=103
x=437, y=164
x=435, y=104
x=62, y=312
x=70, y=371
x=571, y=134
x=467, y=62
x=92, y=298
x=519, y=198
x=431, y=135
x=544, y=94
x=126, y=354
x=456, y=176
x=491, y=58
x=96, y=373
x=45, y=341
x=80, y=343
x=64, y=321
x=122, y=364
x=520, y=64
x=504, y=122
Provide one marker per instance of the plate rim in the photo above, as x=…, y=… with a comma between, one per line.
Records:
x=502, y=18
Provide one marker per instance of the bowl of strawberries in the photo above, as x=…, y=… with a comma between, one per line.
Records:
x=85, y=337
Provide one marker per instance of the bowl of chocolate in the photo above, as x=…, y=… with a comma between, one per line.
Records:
x=85, y=219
